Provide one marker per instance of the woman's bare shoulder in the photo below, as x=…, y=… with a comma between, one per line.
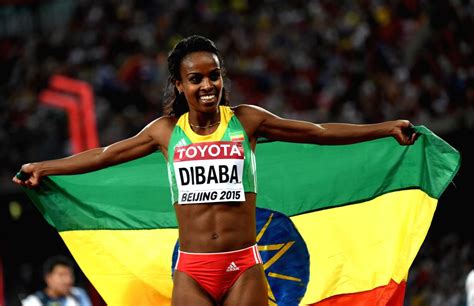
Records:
x=251, y=117
x=161, y=129
x=163, y=122
x=248, y=110
x=252, y=112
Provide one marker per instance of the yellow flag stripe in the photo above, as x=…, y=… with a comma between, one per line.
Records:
x=347, y=244
x=384, y=234
x=127, y=267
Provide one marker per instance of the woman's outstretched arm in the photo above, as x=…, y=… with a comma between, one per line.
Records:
x=148, y=140
x=262, y=123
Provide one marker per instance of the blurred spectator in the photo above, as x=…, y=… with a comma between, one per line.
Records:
x=58, y=274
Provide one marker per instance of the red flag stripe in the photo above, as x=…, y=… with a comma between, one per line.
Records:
x=390, y=295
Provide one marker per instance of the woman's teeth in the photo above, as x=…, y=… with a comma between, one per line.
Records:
x=207, y=98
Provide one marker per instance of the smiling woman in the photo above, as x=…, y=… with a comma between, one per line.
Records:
x=181, y=61
x=210, y=151
x=201, y=84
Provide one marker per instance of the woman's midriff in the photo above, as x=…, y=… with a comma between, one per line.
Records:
x=206, y=228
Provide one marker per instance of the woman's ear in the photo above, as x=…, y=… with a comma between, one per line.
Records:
x=179, y=86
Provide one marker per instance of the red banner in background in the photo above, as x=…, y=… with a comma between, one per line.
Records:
x=77, y=99
x=70, y=105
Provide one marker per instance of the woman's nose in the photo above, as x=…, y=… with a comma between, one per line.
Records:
x=206, y=83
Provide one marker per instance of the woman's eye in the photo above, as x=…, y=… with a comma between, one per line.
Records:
x=215, y=76
x=195, y=80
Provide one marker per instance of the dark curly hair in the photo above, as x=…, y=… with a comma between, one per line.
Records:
x=175, y=104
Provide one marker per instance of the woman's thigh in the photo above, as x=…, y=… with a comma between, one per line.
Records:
x=250, y=289
x=187, y=292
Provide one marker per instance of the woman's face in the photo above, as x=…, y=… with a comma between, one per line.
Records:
x=201, y=81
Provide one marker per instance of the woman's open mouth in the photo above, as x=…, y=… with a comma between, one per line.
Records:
x=208, y=99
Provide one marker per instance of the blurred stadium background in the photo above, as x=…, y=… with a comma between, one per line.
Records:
x=357, y=61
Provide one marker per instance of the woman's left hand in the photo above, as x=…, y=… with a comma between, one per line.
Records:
x=404, y=132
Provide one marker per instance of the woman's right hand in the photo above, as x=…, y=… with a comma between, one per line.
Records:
x=32, y=174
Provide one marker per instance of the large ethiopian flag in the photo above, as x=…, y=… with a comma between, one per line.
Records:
x=337, y=225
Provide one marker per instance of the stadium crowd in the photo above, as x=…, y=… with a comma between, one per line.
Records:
x=353, y=61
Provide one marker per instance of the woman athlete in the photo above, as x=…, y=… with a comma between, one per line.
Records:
x=210, y=149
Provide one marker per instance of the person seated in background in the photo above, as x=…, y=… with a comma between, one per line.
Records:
x=58, y=272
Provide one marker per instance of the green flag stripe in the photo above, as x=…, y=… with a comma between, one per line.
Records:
x=313, y=177
x=292, y=179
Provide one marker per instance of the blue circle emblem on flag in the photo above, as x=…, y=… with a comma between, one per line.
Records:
x=284, y=255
